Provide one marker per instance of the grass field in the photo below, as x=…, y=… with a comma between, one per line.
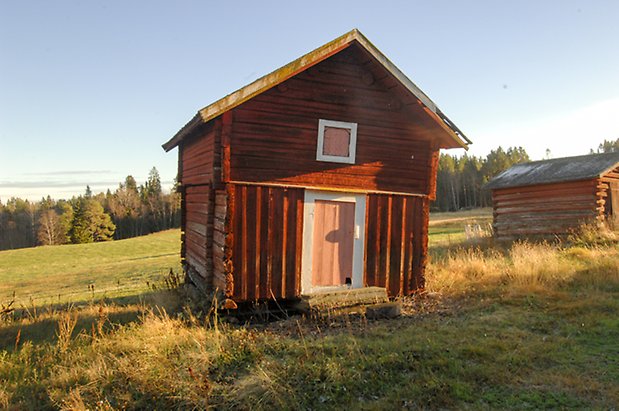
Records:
x=522, y=326
x=82, y=272
x=447, y=229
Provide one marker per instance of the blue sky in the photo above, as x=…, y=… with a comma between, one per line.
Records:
x=90, y=90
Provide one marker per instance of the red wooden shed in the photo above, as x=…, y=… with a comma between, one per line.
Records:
x=554, y=197
x=314, y=177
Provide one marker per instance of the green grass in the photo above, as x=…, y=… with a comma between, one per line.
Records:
x=447, y=229
x=81, y=272
x=527, y=326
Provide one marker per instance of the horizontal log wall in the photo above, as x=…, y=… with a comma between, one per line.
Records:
x=198, y=156
x=265, y=239
x=197, y=159
x=545, y=210
x=274, y=135
x=198, y=232
x=396, y=242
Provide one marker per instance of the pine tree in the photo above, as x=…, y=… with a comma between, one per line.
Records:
x=90, y=222
x=609, y=146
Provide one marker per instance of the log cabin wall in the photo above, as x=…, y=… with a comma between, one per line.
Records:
x=198, y=159
x=396, y=242
x=274, y=135
x=544, y=210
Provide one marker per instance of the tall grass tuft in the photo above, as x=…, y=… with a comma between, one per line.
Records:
x=593, y=234
x=464, y=269
x=538, y=265
x=67, y=321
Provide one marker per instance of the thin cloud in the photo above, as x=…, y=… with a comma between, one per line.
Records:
x=61, y=184
x=68, y=173
x=54, y=184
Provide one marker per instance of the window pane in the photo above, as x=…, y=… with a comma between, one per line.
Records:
x=336, y=142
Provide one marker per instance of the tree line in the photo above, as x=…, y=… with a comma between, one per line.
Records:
x=133, y=210
x=460, y=180
x=129, y=211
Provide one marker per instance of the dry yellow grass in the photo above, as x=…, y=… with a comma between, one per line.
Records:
x=508, y=327
x=523, y=266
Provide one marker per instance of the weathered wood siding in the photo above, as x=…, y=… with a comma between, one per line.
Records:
x=274, y=135
x=198, y=230
x=265, y=241
x=396, y=242
x=198, y=156
x=545, y=210
x=196, y=175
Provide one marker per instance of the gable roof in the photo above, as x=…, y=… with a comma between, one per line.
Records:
x=556, y=170
x=302, y=63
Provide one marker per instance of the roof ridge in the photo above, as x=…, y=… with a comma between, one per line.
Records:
x=569, y=157
x=304, y=62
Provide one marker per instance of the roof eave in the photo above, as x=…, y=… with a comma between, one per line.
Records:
x=183, y=132
x=608, y=170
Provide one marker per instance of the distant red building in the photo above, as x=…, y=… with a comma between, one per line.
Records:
x=553, y=197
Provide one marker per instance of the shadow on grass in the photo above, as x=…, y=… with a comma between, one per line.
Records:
x=41, y=326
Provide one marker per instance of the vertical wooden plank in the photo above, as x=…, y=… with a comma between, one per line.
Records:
x=265, y=261
x=421, y=242
x=258, y=244
x=284, y=229
x=230, y=227
x=410, y=217
x=299, y=241
x=417, y=233
x=238, y=244
x=425, y=220
x=388, y=241
x=270, y=242
x=275, y=250
x=403, y=239
x=249, y=223
x=396, y=245
x=291, y=243
x=243, y=231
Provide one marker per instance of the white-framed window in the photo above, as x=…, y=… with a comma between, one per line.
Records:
x=337, y=141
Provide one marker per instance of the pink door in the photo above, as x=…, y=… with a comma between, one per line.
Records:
x=333, y=237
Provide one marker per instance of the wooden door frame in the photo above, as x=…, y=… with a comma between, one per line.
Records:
x=308, y=233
